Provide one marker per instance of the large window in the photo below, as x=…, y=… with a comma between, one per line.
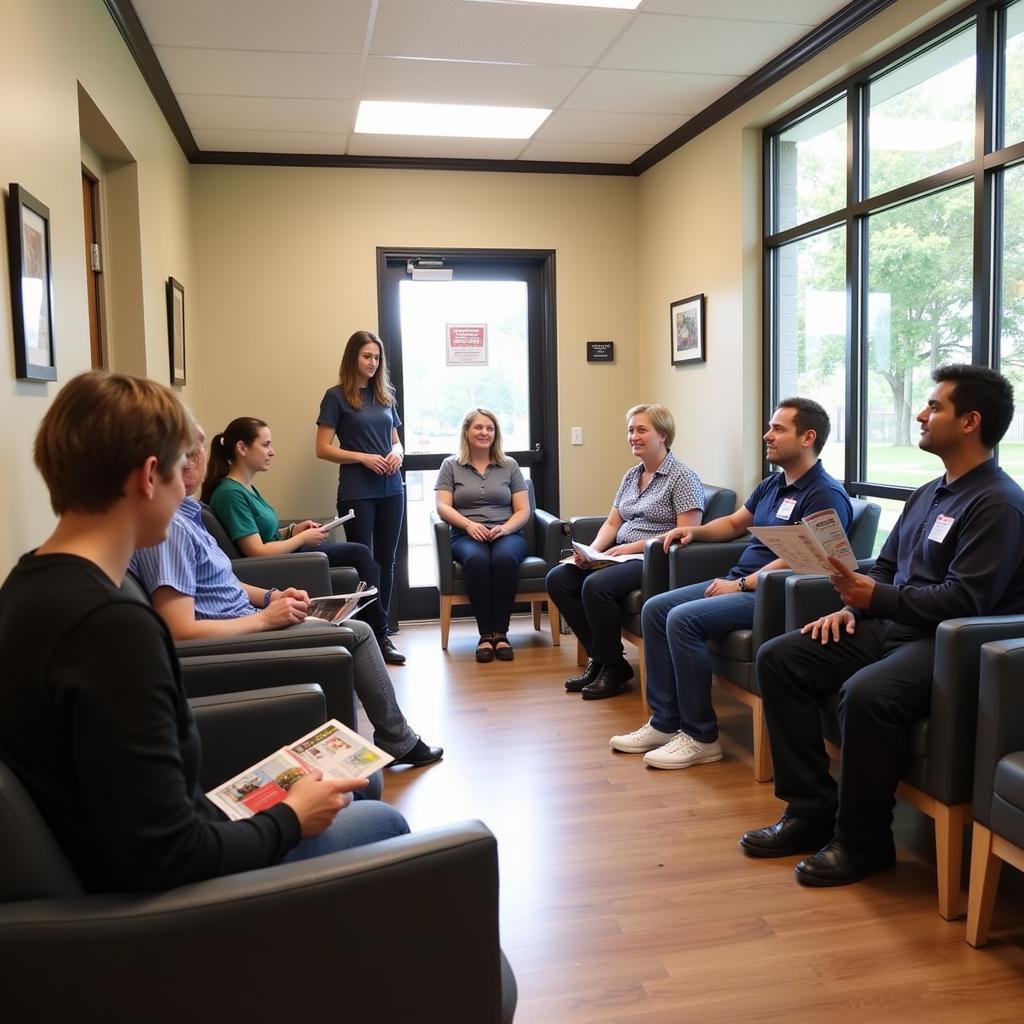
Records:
x=894, y=243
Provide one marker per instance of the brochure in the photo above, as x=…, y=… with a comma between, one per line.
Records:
x=335, y=749
x=339, y=607
x=807, y=546
x=600, y=559
x=335, y=523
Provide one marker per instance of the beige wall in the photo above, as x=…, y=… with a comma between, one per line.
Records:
x=46, y=48
x=286, y=260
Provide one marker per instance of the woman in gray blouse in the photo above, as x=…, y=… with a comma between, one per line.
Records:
x=658, y=494
x=481, y=495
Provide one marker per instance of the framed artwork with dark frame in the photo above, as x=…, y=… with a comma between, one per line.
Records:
x=31, y=262
x=687, y=330
x=176, y=330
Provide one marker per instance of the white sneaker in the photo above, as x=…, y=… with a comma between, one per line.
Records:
x=640, y=740
x=682, y=751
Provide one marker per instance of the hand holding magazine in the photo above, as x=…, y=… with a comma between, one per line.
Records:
x=333, y=748
x=339, y=607
x=807, y=546
x=599, y=559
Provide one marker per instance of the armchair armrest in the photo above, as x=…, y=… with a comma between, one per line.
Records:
x=442, y=537
x=703, y=561
x=128, y=951
x=237, y=729
x=655, y=578
x=549, y=530
x=769, y=606
x=1000, y=718
x=291, y=638
x=583, y=529
x=305, y=570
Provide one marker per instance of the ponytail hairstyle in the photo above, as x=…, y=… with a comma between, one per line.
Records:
x=222, y=451
x=348, y=372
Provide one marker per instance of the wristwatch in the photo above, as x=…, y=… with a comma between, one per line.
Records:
x=742, y=581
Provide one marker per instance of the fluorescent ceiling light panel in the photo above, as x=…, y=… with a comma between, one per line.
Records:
x=451, y=120
x=621, y=5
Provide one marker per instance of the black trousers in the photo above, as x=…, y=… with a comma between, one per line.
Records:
x=883, y=674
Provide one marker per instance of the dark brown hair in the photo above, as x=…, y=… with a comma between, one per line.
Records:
x=222, y=450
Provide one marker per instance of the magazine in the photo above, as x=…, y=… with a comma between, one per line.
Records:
x=335, y=523
x=339, y=607
x=807, y=546
x=335, y=749
x=599, y=559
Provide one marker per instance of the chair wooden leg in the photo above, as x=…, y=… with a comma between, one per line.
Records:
x=446, y=620
x=535, y=608
x=949, y=837
x=762, y=748
x=985, y=870
x=555, y=622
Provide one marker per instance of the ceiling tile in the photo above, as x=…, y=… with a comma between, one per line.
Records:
x=656, y=42
x=583, y=152
x=653, y=92
x=420, y=146
x=593, y=126
x=269, y=114
x=436, y=81
x=260, y=72
x=313, y=26
x=230, y=141
x=793, y=12
x=520, y=33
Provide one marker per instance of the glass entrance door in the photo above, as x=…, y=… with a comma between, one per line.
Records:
x=465, y=330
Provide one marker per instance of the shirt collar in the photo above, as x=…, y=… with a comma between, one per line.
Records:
x=970, y=478
x=804, y=481
x=191, y=508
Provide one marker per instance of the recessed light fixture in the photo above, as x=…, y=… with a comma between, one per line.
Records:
x=622, y=5
x=454, y=120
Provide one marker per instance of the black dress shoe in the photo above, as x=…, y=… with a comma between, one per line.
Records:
x=839, y=864
x=392, y=655
x=610, y=681
x=587, y=676
x=787, y=836
x=420, y=755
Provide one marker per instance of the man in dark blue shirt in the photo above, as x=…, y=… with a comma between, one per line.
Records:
x=957, y=550
x=683, y=728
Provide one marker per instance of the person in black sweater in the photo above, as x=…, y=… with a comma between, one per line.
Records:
x=93, y=715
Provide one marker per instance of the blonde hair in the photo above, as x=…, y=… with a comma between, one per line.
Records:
x=661, y=419
x=100, y=428
x=348, y=372
x=496, y=455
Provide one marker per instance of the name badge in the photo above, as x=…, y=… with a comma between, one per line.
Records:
x=940, y=528
x=786, y=508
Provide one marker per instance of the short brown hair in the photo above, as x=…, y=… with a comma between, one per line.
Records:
x=100, y=428
x=661, y=419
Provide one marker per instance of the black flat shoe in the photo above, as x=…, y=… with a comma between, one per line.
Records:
x=838, y=864
x=787, y=836
x=585, y=678
x=420, y=755
x=392, y=655
x=610, y=680
x=502, y=653
x=485, y=650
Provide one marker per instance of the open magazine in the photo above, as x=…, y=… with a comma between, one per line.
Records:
x=807, y=546
x=599, y=559
x=339, y=607
x=335, y=749
x=335, y=523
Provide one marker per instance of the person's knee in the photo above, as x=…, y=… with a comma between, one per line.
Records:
x=654, y=613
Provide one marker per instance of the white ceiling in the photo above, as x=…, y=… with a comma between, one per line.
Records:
x=286, y=76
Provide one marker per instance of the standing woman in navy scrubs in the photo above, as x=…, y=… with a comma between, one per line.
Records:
x=360, y=411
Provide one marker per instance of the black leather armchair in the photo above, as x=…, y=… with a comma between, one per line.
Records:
x=998, y=781
x=939, y=776
x=718, y=502
x=543, y=533
x=341, y=579
x=225, y=949
x=733, y=656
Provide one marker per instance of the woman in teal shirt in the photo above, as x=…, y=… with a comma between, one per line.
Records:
x=244, y=449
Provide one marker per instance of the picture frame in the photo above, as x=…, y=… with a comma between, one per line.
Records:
x=31, y=264
x=176, y=330
x=687, y=330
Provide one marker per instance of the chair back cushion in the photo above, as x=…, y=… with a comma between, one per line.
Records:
x=863, y=527
x=530, y=526
x=34, y=866
x=718, y=502
x=219, y=534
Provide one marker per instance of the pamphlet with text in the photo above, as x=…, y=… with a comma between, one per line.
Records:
x=336, y=609
x=807, y=546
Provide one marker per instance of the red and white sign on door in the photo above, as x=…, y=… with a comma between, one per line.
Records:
x=467, y=345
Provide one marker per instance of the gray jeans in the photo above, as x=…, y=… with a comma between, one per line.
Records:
x=372, y=684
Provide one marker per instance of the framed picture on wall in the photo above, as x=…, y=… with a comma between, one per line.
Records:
x=176, y=330
x=687, y=330
x=31, y=262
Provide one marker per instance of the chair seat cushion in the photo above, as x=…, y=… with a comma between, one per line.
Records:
x=736, y=646
x=1009, y=779
x=532, y=572
x=632, y=603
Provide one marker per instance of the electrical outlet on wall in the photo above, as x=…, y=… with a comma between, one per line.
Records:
x=577, y=435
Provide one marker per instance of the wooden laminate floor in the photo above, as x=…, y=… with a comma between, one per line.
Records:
x=624, y=896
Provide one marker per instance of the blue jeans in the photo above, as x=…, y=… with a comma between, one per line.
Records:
x=362, y=822
x=676, y=627
x=491, y=572
x=378, y=524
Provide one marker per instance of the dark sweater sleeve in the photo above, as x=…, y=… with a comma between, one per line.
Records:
x=123, y=710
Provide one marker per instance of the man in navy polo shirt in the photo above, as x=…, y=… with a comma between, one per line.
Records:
x=683, y=728
x=957, y=550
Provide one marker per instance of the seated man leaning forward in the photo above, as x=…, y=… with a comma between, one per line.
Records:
x=957, y=550
x=94, y=719
x=192, y=586
x=683, y=729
